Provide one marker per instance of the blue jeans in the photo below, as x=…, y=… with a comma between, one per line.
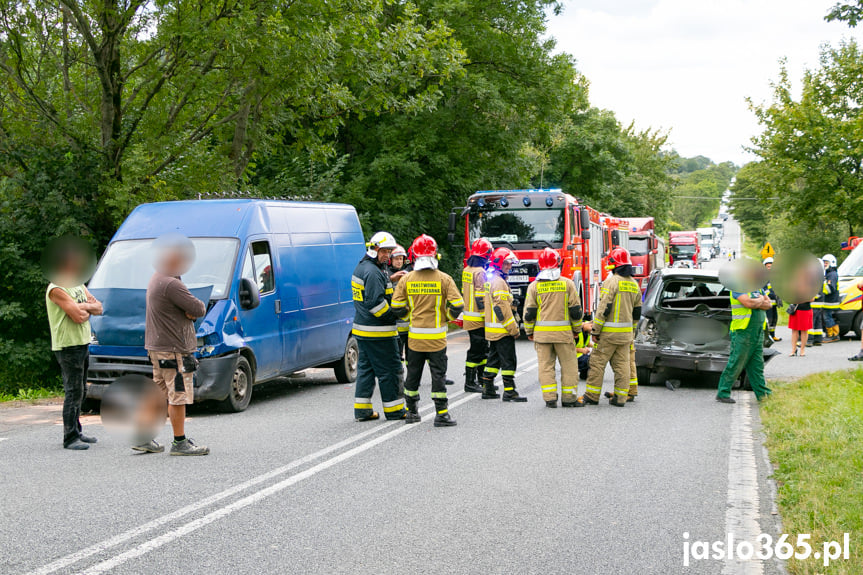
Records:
x=74, y=361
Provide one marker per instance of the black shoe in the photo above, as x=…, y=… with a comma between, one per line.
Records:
x=472, y=387
x=630, y=398
x=577, y=403
x=444, y=420
x=725, y=400
x=858, y=357
x=816, y=343
x=88, y=439
x=588, y=401
x=774, y=338
x=77, y=445
x=449, y=382
x=412, y=417
x=613, y=401
x=551, y=403
x=513, y=396
x=489, y=390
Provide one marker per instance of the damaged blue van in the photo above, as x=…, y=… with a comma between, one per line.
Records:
x=275, y=274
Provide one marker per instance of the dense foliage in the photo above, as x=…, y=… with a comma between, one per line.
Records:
x=399, y=108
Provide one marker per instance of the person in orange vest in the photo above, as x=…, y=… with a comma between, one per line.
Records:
x=552, y=320
x=429, y=297
x=501, y=328
x=473, y=316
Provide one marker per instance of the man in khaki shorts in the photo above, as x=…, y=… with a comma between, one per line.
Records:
x=169, y=336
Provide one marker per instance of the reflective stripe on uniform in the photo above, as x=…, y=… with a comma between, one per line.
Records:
x=391, y=406
x=358, y=280
x=438, y=395
x=592, y=389
x=409, y=393
x=549, y=388
x=492, y=370
x=617, y=327
x=506, y=372
x=471, y=315
x=374, y=330
x=380, y=309
x=495, y=327
x=427, y=332
x=362, y=403
x=553, y=326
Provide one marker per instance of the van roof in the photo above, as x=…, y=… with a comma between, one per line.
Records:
x=209, y=218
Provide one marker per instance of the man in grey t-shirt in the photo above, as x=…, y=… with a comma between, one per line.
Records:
x=169, y=337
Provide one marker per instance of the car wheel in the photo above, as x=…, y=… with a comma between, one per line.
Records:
x=346, y=368
x=858, y=324
x=643, y=374
x=241, y=388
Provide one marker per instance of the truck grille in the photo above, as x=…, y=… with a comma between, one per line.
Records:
x=105, y=369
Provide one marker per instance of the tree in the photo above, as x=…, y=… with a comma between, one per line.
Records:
x=850, y=13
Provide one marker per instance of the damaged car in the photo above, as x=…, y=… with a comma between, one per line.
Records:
x=684, y=330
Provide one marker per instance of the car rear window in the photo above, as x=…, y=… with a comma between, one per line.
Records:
x=693, y=294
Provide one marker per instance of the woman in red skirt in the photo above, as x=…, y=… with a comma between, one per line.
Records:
x=800, y=323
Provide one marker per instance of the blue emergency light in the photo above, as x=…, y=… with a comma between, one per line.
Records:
x=504, y=202
x=549, y=201
x=526, y=201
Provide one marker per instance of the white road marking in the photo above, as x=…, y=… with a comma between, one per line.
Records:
x=3, y=438
x=121, y=538
x=253, y=498
x=742, y=512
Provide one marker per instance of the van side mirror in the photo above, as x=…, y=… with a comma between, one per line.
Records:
x=453, y=220
x=585, y=219
x=615, y=238
x=585, y=233
x=250, y=298
x=570, y=248
x=450, y=238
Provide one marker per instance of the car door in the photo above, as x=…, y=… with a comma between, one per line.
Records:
x=261, y=326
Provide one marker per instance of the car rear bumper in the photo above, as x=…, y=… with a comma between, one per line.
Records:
x=670, y=362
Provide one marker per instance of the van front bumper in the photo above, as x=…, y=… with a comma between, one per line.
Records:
x=212, y=380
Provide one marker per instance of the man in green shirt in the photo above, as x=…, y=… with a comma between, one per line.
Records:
x=747, y=345
x=70, y=306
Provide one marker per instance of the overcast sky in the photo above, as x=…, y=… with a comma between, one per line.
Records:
x=688, y=65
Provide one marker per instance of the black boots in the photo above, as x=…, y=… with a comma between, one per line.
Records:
x=443, y=420
x=412, y=415
x=471, y=385
x=509, y=391
x=488, y=391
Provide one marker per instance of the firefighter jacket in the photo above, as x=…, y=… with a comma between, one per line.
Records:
x=499, y=319
x=473, y=292
x=402, y=323
x=832, y=298
x=425, y=295
x=619, y=306
x=771, y=293
x=552, y=311
x=372, y=292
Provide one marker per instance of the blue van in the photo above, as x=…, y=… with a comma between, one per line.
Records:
x=275, y=274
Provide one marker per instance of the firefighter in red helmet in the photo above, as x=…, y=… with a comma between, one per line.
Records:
x=619, y=307
x=428, y=297
x=473, y=317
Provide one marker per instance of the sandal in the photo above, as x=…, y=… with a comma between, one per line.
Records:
x=375, y=415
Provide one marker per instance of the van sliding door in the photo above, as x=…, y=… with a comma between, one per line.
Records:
x=261, y=326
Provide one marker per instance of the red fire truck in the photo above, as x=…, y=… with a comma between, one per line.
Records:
x=683, y=249
x=528, y=221
x=615, y=233
x=646, y=248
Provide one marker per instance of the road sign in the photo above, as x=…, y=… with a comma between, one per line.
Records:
x=767, y=251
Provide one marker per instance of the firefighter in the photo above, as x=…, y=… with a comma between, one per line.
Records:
x=816, y=334
x=501, y=327
x=428, y=296
x=776, y=301
x=398, y=268
x=831, y=298
x=473, y=317
x=619, y=307
x=376, y=333
x=552, y=320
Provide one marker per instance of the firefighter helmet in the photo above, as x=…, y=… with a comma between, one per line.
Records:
x=830, y=260
x=767, y=261
x=482, y=248
x=501, y=255
x=619, y=257
x=424, y=246
x=381, y=240
x=549, y=259
x=399, y=251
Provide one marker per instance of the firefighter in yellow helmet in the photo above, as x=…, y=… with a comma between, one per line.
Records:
x=619, y=307
x=552, y=320
x=429, y=297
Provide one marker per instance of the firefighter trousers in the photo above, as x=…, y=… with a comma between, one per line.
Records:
x=379, y=361
x=437, y=361
x=477, y=353
x=817, y=331
x=547, y=355
x=633, y=372
x=619, y=357
x=747, y=353
x=502, y=360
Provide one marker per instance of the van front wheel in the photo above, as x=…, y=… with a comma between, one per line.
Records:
x=241, y=388
x=346, y=368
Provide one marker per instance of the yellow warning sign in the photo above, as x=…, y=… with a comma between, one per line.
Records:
x=767, y=251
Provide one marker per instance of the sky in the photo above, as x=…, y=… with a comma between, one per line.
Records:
x=687, y=66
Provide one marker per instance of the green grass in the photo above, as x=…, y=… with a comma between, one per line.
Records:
x=814, y=430
x=31, y=394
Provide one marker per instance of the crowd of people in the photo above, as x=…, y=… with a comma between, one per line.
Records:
x=403, y=304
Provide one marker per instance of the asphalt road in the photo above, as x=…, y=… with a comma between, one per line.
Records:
x=294, y=485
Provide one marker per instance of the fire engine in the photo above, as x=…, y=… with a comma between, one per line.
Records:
x=683, y=249
x=528, y=221
x=646, y=248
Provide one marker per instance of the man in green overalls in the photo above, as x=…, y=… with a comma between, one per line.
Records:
x=747, y=344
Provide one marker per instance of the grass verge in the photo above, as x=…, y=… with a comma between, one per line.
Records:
x=31, y=394
x=814, y=430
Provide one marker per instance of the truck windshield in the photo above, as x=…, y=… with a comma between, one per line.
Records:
x=639, y=246
x=853, y=264
x=129, y=264
x=519, y=226
x=682, y=251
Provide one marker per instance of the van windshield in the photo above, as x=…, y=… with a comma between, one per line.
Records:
x=853, y=264
x=129, y=264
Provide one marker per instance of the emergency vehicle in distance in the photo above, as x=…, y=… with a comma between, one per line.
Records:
x=849, y=316
x=528, y=221
x=646, y=249
x=683, y=249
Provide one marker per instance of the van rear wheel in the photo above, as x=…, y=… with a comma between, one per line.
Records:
x=346, y=368
x=241, y=388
